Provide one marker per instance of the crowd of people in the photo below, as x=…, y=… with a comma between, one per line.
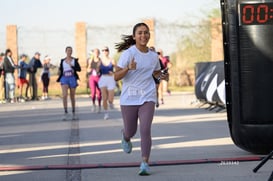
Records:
x=100, y=71
x=142, y=70
x=100, y=67
x=26, y=80
x=101, y=80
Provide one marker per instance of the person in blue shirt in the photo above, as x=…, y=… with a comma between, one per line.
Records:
x=107, y=83
x=22, y=77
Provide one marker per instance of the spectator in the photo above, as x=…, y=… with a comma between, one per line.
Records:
x=2, y=79
x=34, y=64
x=68, y=77
x=93, y=79
x=9, y=67
x=45, y=76
x=22, y=74
x=107, y=83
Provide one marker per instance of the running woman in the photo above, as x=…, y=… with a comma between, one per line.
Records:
x=136, y=67
x=107, y=83
x=94, y=77
x=68, y=77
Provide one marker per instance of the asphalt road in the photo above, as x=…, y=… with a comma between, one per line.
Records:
x=189, y=143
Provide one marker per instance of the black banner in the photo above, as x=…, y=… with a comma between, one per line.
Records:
x=210, y=82
x=248, y=61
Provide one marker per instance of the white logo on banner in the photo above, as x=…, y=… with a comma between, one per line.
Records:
x=221, y=91
x=213, y=87
x=205, y=81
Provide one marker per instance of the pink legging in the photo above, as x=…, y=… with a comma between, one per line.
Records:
x=145, y=113
x=94, y=88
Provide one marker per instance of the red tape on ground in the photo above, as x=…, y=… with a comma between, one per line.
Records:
x=128, y=164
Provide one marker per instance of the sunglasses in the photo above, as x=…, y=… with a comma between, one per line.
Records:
x=105, y=50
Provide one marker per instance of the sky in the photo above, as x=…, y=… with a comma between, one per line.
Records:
x=64, y=13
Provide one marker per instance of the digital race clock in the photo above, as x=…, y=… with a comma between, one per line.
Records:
x=248, y=55
x=256, y=14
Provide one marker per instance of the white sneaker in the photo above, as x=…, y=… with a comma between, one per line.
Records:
x=94, y=107
x=74, y=117
x=21, y=99
x=65, y=117
x=99, y=109
x=106, y=116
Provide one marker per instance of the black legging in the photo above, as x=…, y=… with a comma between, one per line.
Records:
x=33, y=85
x=45, y=80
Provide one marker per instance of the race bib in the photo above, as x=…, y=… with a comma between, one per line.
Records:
x=135, y=92
x=68, y=73
x=94, y=72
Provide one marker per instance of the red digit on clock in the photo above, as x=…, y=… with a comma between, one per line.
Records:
x=248, y=10
x=262, y=18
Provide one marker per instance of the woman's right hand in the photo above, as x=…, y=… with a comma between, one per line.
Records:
x=132, y=65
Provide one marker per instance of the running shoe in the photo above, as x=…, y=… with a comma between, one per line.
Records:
x=99, y=109
x=111, y=105
x=65, y=117
x=21, y=99
x=126, y=145
x=106, y=116
x=144, y=169
x=162, y=101
x=74, y=117
x=94, y=108
x=157, y=104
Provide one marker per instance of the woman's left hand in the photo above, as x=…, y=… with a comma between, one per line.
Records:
x=164, y=76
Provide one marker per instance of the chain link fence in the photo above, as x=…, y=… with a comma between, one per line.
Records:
x=168, y=37
x=46, y=41
x=53, y=41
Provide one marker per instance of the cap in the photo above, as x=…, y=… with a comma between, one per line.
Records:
x=37, y=53
x=105, y=48
x=23, y=55
x=47, y=57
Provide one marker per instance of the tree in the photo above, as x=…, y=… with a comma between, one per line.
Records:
x=192, y=48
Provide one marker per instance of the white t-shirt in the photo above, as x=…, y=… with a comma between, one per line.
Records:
x=66, y=66
x=138, y=85
x=67, y=70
